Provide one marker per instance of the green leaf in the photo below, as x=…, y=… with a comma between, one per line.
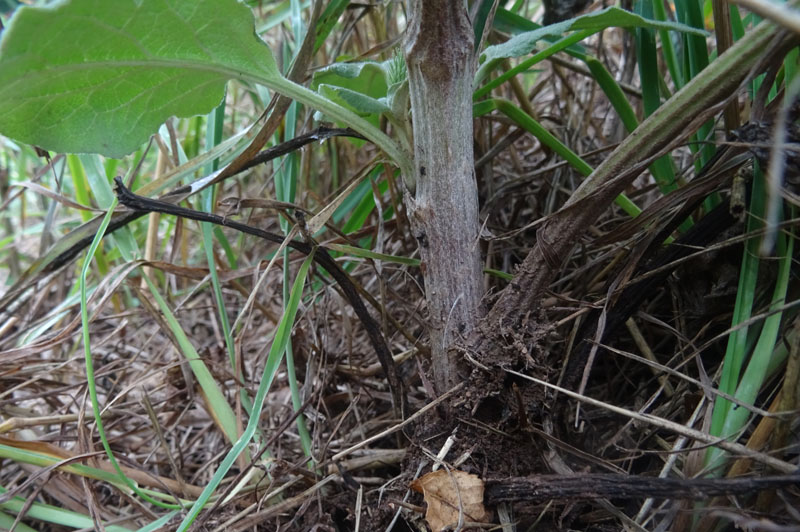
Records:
x=119, y=69
x=398, y=97
x=367, y=78
x=351, y=201
x=525, y=121
x=396, y=69
x=328, y=20
x=752, y=381
x=96, y=175
x=355, y=101
x=7, y=521
x=359, y=216
x=523, y=43
x=479, y=23
x=100, y=76
x=514, y=24
x=369, y=254
x=352, y=75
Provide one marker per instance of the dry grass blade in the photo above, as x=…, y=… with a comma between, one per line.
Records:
x=329, y=410
x=736, y=448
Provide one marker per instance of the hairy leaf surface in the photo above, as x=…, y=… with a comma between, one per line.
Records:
x=101, y=76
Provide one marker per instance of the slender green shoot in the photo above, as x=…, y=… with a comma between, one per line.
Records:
x=525, y=121
x=49, y=514
x=761, y=357
x=90, y=379
x=277, y=349
x=743, y=309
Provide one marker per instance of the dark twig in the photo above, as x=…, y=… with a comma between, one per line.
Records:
x=9, y=299
x=319, y=134
x=294, y=144
x=542, y=488
x=140, y=204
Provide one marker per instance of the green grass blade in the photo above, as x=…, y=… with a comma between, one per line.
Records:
x=286, y=190
x=276, y=352
x=479, y=23
x=368, y=254
x=523, y=43
x=217, y=403
x=647, y=58
x=352, y=201
x=7, y=521
x=696, y=53
x=41, y=459
x=559, y=45
x=365, y=207
x=688, y=12
x=524, y=120
x=82, y=189
x=568, y=43
x=80, y=183
x=298, y=27
x=667, y=46
x=327, y=21
x=279, y=13
x=90, y=365
x=98, y=180
x=753, y=377
x=53, y=514
x=613, y=92
x=737, y=25
x=213, y=138
x=214, y=127
x=100, y=186
x=159, y=523
x=737, y=341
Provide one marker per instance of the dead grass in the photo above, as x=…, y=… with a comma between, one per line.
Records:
x=160, y=428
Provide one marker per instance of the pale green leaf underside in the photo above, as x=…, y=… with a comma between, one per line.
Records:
x=366, y=70
x=359, y=85
x=101, y=76
x=355, y=101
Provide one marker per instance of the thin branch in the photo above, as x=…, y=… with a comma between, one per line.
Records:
x=141, y=205
x=542, y=488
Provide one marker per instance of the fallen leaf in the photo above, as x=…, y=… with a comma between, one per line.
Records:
x=445, y=492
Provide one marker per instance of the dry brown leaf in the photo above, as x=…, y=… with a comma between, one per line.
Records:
x=441, y=491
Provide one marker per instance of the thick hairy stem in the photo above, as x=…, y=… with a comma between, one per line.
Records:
x=444, y=208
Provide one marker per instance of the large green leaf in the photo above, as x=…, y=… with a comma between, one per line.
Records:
x=101, y=76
